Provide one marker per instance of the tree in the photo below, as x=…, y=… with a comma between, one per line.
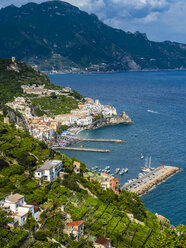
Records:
x=40, y=235
x=30, y=224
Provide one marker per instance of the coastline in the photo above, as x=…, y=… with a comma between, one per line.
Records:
x=110, y=72
x=75, y=131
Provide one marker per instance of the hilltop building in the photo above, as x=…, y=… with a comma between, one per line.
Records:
x=49, y=170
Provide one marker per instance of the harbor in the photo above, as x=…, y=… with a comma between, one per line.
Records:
x=143, y=184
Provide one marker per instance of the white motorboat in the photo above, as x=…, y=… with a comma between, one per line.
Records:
x=142, y=157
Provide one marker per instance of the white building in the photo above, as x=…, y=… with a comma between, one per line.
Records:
x=108, y=111
x=16, y=205
x=49, y=170
x=84, y=121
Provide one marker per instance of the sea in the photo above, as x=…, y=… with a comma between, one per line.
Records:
x=156, y=103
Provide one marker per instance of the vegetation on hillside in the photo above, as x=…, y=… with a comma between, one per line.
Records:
x=51, y=105
x=104, y=213
x=15, y=74
x=11, y=79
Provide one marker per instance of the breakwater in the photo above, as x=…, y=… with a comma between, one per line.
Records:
x=143, y=184
x=104, y=140
x=80, y=149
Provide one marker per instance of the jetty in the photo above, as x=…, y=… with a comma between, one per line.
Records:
x=104, y=140
x=80, y=149
x=148, y=181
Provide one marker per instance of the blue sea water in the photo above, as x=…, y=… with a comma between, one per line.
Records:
x=160, y=133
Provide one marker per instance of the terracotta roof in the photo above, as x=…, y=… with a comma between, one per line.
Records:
x=77, y=163
x=105, y=174
x=102, y=241
x=160, y=217
x=75, y=223
x=14, y=214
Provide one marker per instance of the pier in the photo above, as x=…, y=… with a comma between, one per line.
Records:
x=80, y=149
x=143, y=184
x=104, y=140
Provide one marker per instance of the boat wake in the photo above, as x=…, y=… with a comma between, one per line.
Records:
x=152, y=111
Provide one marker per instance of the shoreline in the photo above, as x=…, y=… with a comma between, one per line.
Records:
x=75, y=131
x=110, y=72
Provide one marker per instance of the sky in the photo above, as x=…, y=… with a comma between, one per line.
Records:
x=159, y=19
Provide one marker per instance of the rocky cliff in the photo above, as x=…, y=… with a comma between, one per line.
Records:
x=114, y=120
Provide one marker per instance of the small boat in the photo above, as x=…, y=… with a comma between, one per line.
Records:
x=107, y=167
x=142, y=156
x=122, y=172
x=126, y=170
x=140, y=175
x=117, y=170
x=147, y=167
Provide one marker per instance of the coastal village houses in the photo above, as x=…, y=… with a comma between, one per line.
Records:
x=44, y=128
x=49, y=170
x=76, y=228
x=106, y=181
x=102, y=243
x=15, y=204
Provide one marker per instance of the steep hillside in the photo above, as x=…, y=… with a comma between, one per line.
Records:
x=13, y=74
x=58, y=36
x=71, y=197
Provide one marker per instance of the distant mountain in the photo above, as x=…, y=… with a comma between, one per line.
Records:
x=56, y=36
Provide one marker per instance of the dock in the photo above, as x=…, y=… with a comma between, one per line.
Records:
x=80, y=149
x=104, y=140
x=144, y=184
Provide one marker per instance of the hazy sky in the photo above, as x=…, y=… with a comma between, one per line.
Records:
x=160, y=19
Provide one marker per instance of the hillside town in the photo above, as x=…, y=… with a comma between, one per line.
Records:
x=45, y=127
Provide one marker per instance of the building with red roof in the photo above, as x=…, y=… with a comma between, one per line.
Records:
x=76, y=228
x=102, y=243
